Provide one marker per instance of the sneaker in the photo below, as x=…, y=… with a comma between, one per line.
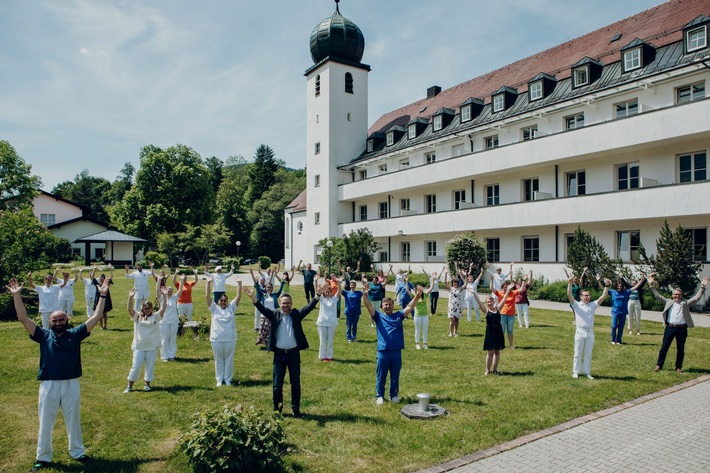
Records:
x=426, y=347
x=380, y=401
x=395, y=399
x=418, y=347
x=589, y=376
x=575, y=375
x=146, y=388
x=127, y=390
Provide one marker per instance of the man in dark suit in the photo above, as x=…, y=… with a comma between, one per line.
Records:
x=286, y=340
x=677, y=319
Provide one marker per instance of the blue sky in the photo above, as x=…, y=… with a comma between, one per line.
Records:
x=85, y=84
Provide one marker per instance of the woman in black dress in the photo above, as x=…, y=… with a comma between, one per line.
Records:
x=108, y=305
x=494, y=341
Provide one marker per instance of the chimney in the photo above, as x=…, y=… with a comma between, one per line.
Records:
x=433, y=91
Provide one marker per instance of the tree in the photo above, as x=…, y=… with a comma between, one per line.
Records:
x=586, y=251
x=463, y=250
x=172, y=190
x=674, y=263
x=93, y=193
x=18, y=187
x=262, y=174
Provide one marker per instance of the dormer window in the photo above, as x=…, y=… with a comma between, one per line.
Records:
x=466, y=113
x=370, y=145
x=535, y=91
x=697, y=38
x=390, y=138
x=412, y=131
x=498, y=103
x=317, y=85
x=632, y=59
x=437, y=123
x=348, y=83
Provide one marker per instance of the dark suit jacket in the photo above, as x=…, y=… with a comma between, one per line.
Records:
x=297, y=316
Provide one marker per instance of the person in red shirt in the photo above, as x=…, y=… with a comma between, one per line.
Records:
x=507, y=311
x=184, y=305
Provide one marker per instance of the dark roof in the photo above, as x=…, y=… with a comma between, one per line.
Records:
x=661, y=25
x=109, y=235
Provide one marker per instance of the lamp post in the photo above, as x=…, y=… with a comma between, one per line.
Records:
x=238, y=243
x=329, y=244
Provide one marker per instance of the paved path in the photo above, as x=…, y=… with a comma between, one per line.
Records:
x=667, y=431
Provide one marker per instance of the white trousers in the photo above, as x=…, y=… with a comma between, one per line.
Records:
x=67, y=306
x=472, y=304
x=89, y=305
x=421, y=327
x=139, y=358
x=186, y=310
x=224, y=360
x=327, y=336
x=168, y=341
x=522, y=310
x=583, y=346
x=52, y=395
x=634, y=315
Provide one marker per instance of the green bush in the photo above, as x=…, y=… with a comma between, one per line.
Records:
x=264, y=262
x=232, y=438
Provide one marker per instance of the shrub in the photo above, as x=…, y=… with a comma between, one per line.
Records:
x=232, y=438
x=264, y=262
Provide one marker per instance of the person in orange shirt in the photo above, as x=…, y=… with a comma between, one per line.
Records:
x=507, y=311
x=184, y=302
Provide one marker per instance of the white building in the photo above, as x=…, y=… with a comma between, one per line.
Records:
x=609, y=131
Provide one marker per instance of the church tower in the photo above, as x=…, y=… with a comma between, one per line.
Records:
x=336, y=123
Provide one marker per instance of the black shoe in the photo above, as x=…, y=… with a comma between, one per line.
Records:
x=38, y=466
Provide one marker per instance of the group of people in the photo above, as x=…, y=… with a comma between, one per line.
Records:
x=155, y=327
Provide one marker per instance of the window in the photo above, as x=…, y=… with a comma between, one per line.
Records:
x=405, y=249
x=438, y=121
x=412, y=131
x=696, y=38
x=692, y=167
x=430, y=158
x=47, y=219
x=363, y=213
x=535, y=91
x=458, y=150
x=317, y=85
x=404, y=164
x=459, y=196
x=348, y=83
x=390, y=138
x=531, y=248
x=384, y=256
x=627, y=176
x=628, y=108
x=466, y=113
x=529, y=132
x=498, y=103
x=574, y=121
x=363, y=174
x=576, y=183
x=316, y=218
x=530, y=186
x=493, y=194
x=627, y=245
x=493, y=249
x=690, y=92
x=382, y=168
x=384, y=210
x=491, y=141
x=430, y=203
x=632, y=59
x=699, y=236
x=431, y=248
x=404, y=205
x=316, y=180
x=370, y=146
x=581, y=76
x=316, y=148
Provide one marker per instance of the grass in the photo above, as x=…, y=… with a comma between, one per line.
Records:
x=343, y=429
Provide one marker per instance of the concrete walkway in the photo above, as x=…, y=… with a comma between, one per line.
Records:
x=667, y=431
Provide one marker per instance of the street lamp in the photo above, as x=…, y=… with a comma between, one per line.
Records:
x=238, y=243
x=329, y=244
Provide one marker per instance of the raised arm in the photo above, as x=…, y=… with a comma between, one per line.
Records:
x=16, y=291
x=99, y=310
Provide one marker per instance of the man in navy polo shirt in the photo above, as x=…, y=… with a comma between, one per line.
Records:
x=59, y=372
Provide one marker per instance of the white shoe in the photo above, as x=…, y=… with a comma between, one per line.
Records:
x=418, y=347
x=380, y=401
x=589, y=376
x=395, y=399
x=575, y=375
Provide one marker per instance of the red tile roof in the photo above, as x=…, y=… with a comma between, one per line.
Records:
x=658, y=26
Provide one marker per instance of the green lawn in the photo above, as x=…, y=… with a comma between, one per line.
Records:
x=343, y=429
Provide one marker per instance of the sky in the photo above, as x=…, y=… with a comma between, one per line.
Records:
x=85, y=84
